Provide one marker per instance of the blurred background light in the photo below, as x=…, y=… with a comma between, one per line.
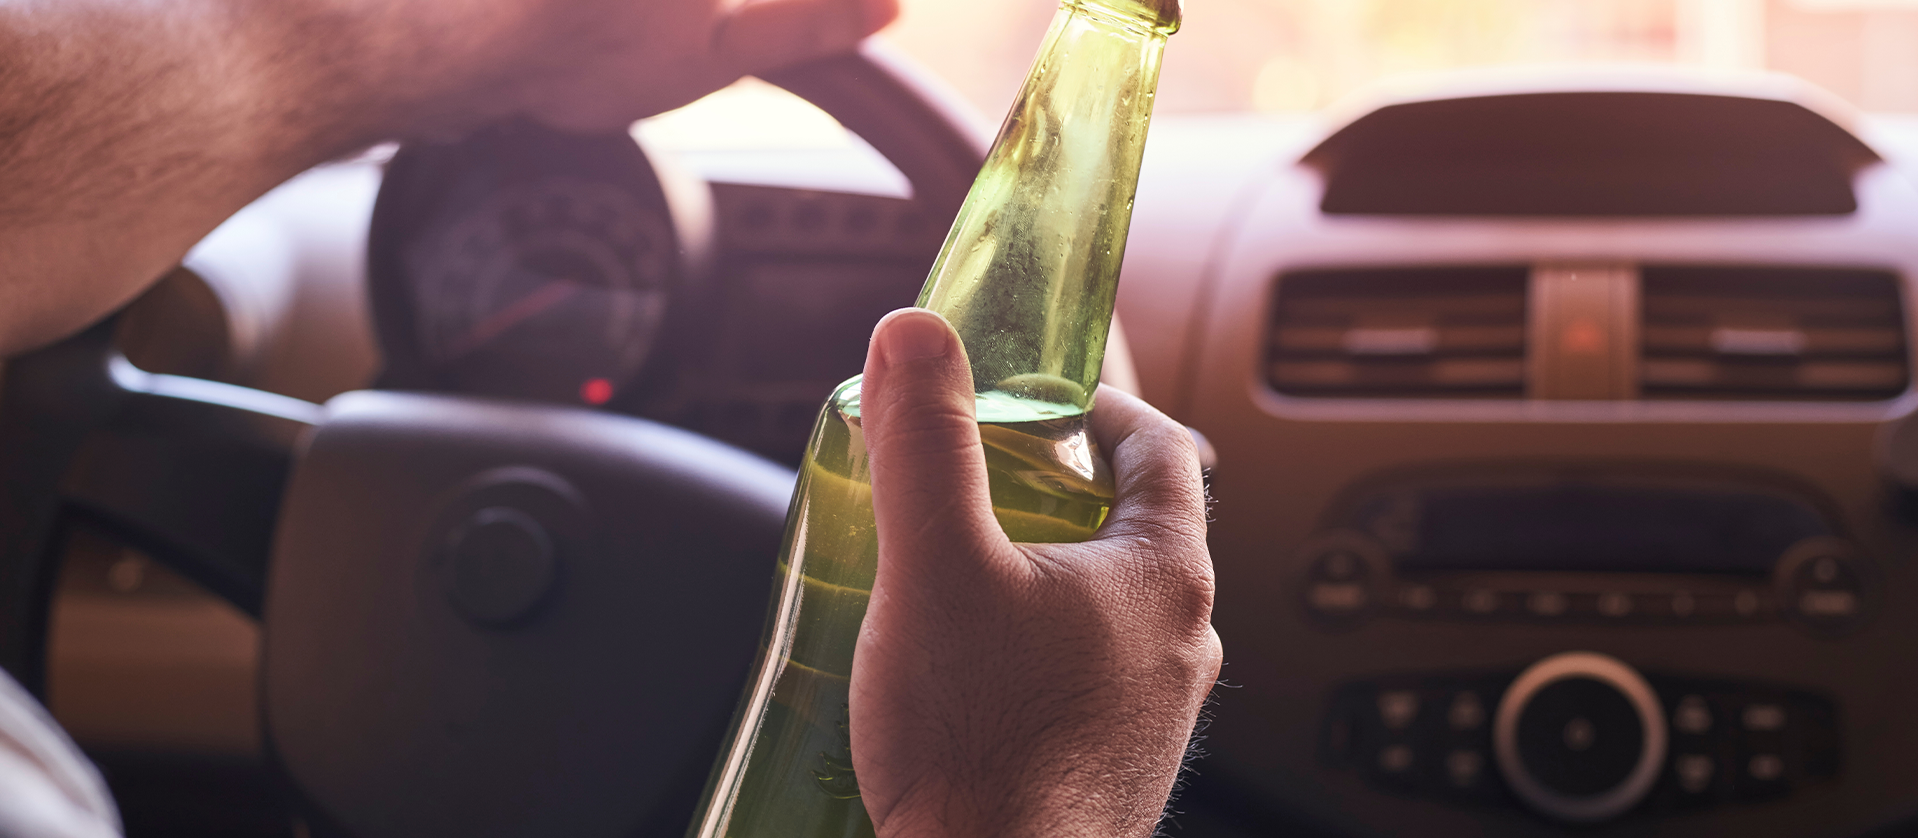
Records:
x=1300, y=55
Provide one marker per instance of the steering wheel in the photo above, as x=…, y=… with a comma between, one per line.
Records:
x=481, y=617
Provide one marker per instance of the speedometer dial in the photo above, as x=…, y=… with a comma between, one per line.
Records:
x=529, y=263
x=552, y=289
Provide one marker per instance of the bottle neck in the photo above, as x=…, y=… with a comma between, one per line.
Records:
x=1030, y=270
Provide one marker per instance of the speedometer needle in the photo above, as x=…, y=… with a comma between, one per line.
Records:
x=498, y=322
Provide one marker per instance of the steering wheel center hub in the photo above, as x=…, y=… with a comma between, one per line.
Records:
x=502, y=563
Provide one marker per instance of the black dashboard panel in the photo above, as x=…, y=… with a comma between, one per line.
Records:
x=1597, y=521
x=785, y=314
x=1591, y=153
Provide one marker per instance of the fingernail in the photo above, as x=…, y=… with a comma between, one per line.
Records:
x=913, y=335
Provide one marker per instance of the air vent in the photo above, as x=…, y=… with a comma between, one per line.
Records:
x=1772, y=333
x=1400, y=333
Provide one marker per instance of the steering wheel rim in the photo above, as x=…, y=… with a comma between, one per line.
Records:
x=59, y=403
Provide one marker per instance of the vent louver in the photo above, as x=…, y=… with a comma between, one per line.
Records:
x=1454, y=332
x=1772, y=333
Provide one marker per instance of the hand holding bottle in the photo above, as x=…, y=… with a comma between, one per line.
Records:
x=1021, y=689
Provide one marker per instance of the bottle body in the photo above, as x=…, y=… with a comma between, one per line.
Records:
x=1030, y=271
x=788, y=768
x=1027, y=277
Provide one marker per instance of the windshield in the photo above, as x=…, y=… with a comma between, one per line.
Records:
x=1301, y=55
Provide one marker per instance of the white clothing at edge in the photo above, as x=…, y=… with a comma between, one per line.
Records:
x=47, y=789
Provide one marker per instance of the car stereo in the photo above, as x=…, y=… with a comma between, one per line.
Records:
x=1596, y=546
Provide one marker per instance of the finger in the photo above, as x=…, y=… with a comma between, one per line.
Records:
x=928, y=472
x=774, y=33
x=1155, y=467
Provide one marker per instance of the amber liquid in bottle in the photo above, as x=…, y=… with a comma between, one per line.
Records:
x=1027, y=277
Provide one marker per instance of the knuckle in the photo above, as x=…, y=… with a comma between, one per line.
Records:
x=1187, y=600
x=1188, y=664
x=1159, y=535
x=935, y=427
x=1158, y=431
x=930, y=435
x=1214, y=653
x=1172, y=437
x=1161, y=470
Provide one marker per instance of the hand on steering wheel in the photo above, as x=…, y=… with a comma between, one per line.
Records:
x=1022, y=689
x=596, y=65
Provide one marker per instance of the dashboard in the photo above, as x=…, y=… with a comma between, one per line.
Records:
x=1561, y=479
x=1492, y=490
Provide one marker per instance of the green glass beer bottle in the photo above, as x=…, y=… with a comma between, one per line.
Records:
x=1027, y=276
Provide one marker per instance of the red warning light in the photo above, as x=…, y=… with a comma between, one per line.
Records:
x=596, y=391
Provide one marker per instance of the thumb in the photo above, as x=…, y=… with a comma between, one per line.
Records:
x=929, y=489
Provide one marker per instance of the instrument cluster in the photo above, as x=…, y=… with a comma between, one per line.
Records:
x=527, y=264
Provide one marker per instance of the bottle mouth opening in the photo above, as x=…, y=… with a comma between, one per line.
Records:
x=1162, y=17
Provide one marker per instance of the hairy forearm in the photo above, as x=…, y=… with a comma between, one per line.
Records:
x=130, y=128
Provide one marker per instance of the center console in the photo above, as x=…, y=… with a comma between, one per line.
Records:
x=1552, y=494
x=1581, y=737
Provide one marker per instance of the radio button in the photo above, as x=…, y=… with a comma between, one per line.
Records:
x=1827, y=589
x=1479, y=601
x=1762, y=775
x=1398, y=709
x=1464, y=768
x=1824, y=587
x=1694, y=772
x=1692, y=716
x=1467, y=712
x=1337, y=599
x=1394, y=765
x=1418, y=599
x=1828, y=605
x=1337, y=585
x=1344, y=577
x=1546, y=604
x=1764, y=717
x=1681, y=604
x=1614, y=604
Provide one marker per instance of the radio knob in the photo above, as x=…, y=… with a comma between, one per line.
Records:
x=1345, y=572
x=1824, y=585
x=1580, y=737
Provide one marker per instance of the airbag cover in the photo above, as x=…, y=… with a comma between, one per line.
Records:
x=593, y=705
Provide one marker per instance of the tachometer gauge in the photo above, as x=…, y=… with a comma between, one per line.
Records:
x=529, y=263
x=551, y=290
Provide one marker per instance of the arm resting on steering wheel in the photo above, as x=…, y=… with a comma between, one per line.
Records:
x=130, y=129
